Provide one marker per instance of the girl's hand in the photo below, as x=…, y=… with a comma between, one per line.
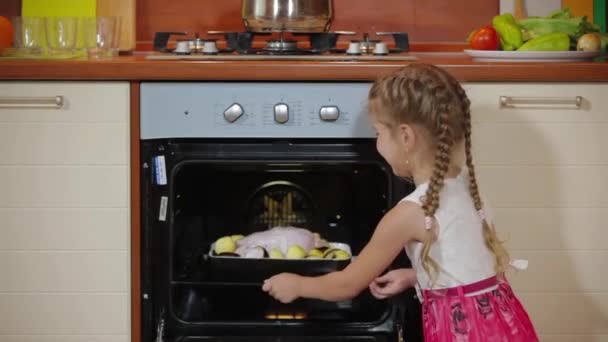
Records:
x=283, y=287
x=393, y=283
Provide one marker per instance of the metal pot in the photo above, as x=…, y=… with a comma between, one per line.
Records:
x=286, y=15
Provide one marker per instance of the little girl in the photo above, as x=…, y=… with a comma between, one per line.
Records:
x=423, y=124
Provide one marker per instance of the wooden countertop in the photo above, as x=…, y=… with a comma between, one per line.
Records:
x=136, y=67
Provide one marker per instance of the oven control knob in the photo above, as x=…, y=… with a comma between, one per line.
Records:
x=233, y=113
x=329, y=113
x=281, y=113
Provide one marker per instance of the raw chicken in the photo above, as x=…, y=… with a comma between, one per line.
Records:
x=254, y=252
x=280, y=238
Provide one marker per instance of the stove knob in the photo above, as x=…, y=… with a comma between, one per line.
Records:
x=329, y=113
x=281, y=113
x=233, y=112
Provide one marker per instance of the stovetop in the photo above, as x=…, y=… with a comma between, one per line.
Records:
x=282, y=46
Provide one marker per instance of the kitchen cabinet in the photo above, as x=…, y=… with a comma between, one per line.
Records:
x=64, y=211
x=542, y=162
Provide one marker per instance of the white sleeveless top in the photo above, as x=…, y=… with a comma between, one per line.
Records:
x=460, y=249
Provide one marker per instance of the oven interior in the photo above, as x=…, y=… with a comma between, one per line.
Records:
x=340, y=201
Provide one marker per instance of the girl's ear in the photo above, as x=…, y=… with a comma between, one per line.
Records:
x=407, y=137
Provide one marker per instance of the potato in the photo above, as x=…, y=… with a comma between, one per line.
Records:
x=589, y=42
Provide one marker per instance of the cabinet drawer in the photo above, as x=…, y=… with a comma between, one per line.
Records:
x=540, y=143
x=64, y=101
x=539, y=123
x=538, y=102
x=65, y=143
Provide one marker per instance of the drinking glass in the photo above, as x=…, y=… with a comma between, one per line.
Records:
x=30, y=34
x=101, y=36
x=61, y=34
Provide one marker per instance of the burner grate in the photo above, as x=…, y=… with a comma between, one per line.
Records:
x=242, y=42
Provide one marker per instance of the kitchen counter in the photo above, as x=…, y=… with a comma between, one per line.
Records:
x=136, y=67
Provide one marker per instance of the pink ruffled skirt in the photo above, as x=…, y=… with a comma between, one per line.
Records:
x=492, y=316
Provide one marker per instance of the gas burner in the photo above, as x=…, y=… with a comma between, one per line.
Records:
x=161, y=39
x=281, y=45
x=320, y=43
x=402, y=42
x=239, y=41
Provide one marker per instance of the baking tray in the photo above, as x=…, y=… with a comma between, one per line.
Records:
x=256, y=270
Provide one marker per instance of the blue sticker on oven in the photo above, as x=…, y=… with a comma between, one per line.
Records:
x=160, y=170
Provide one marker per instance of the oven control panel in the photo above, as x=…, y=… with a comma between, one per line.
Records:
x=254, y=109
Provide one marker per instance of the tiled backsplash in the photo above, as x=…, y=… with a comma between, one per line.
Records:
x=425, y=21
x=429, y=20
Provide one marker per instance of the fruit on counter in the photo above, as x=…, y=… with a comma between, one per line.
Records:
x=484, y=38
x=589, y=42
x=224, y=245
x=556, y=41
x=508, y=30
x=236, y=237
x=296, y=252
x=275, y=253
x=335, y=253
x=6, y=33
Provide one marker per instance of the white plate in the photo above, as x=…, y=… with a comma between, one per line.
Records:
x=531, y=56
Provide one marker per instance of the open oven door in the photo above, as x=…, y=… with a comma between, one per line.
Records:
x=194, y=192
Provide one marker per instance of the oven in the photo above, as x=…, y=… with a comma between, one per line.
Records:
x=227, y=158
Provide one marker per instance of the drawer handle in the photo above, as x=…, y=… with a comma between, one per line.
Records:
x=52, y=102
x=540, y=102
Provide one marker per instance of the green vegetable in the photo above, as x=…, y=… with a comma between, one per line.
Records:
x=558, y=21
x=556, y=41
x=562, y=13
x=509, y=32
x=604, y=40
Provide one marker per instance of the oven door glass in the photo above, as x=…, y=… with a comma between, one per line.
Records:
x=342, y=202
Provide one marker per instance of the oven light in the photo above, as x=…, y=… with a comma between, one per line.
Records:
x=297, y=315
x=286, y=164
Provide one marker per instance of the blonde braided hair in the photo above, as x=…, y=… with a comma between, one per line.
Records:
x=489, y=233
x=430, y=97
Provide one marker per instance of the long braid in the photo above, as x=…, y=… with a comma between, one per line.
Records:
x=489, y=233
x=431, y=202
x=446, y=132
